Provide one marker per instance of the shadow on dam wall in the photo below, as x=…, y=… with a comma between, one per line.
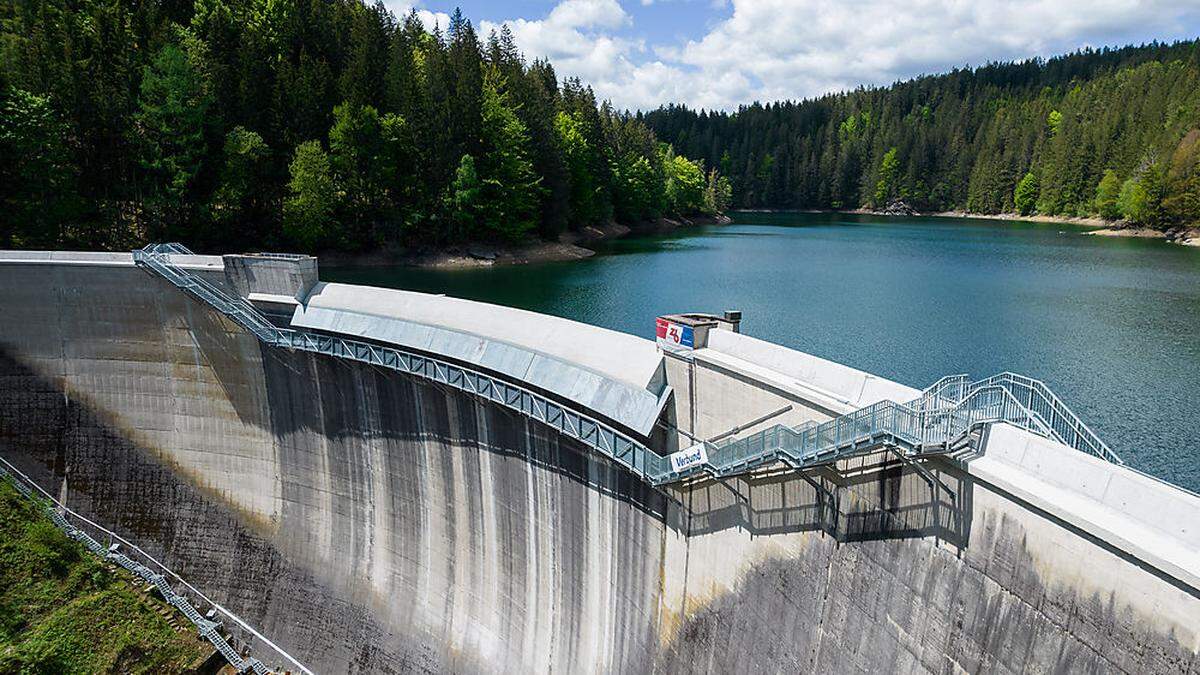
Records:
x=328, y=416
x=370, y=522
x=864, y=499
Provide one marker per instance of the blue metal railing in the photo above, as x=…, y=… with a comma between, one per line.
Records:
x=593, y=432
x=945, y=414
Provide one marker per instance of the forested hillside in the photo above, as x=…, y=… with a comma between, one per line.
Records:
x=1114, y=133
x=309, y=124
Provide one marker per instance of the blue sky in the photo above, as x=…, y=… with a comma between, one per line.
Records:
x=718, y=54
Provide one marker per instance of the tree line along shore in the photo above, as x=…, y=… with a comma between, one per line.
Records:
x=310, y=125
x=1112, y=134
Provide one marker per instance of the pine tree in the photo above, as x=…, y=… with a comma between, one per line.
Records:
x=579, y=160
x=463, y=200
x=170, y=129
x=1106, y=196
x=241, y=201
x=37, y=178
x=885, y=187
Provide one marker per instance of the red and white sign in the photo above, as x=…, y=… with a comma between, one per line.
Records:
x=674, y=335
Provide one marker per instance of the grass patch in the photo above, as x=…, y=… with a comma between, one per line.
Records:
x=62, y=610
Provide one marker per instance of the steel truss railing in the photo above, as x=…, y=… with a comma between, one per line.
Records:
x=939, y=420
x=209, y=630
x=946, y=412
x=594, y=433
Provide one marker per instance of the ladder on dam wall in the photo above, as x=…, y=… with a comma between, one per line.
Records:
x=940, y=421
x=207, y=628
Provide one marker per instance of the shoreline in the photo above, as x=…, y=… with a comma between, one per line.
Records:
x=1099, y=227
x=1090, y=222
x=570, y=246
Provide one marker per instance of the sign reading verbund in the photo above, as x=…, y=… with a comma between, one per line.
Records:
x=674, y=335
x=688, y=458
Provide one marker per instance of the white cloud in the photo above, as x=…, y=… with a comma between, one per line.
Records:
x=795, y=48
x=787, y=49
x=577, y=38
x=428, y=19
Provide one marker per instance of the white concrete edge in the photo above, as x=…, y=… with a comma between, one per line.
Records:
x=1066, y=495
x=208, y=263
x=777, y=380
x=344, y=298
x=273, y=298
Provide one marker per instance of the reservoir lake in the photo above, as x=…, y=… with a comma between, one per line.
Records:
x=1111, y=324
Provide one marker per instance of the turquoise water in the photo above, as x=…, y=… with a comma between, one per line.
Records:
x=1111, y=324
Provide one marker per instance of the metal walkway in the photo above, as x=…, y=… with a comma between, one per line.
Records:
x=942, y=420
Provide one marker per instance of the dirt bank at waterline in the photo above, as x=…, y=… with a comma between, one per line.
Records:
x=1186, y=236
x=1065, y=220
x=570, y=246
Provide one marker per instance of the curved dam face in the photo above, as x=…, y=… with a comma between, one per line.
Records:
x=369, y=521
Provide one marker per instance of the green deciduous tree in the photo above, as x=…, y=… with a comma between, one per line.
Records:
x=1025, y=196
x=637, y=189
x=1141, y=197
x=1181, y=202
x=1054, y=122
x=312, y=198
x=685, y=184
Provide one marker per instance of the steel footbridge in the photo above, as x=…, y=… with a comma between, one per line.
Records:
x=946, y=418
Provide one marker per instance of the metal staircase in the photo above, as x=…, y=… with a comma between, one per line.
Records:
x=943, y=419
x=209, y=630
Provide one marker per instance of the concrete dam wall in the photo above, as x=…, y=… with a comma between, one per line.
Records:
x=369, y=521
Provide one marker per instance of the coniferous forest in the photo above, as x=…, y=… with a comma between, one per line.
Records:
x=1113, y=133
x=307, y=124
x=333, y=124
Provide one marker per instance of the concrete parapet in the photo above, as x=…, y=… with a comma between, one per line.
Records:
x=273, y=278
x=1144, y=517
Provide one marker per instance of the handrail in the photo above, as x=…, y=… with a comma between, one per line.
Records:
x=1066, y=426
x=914, y=428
